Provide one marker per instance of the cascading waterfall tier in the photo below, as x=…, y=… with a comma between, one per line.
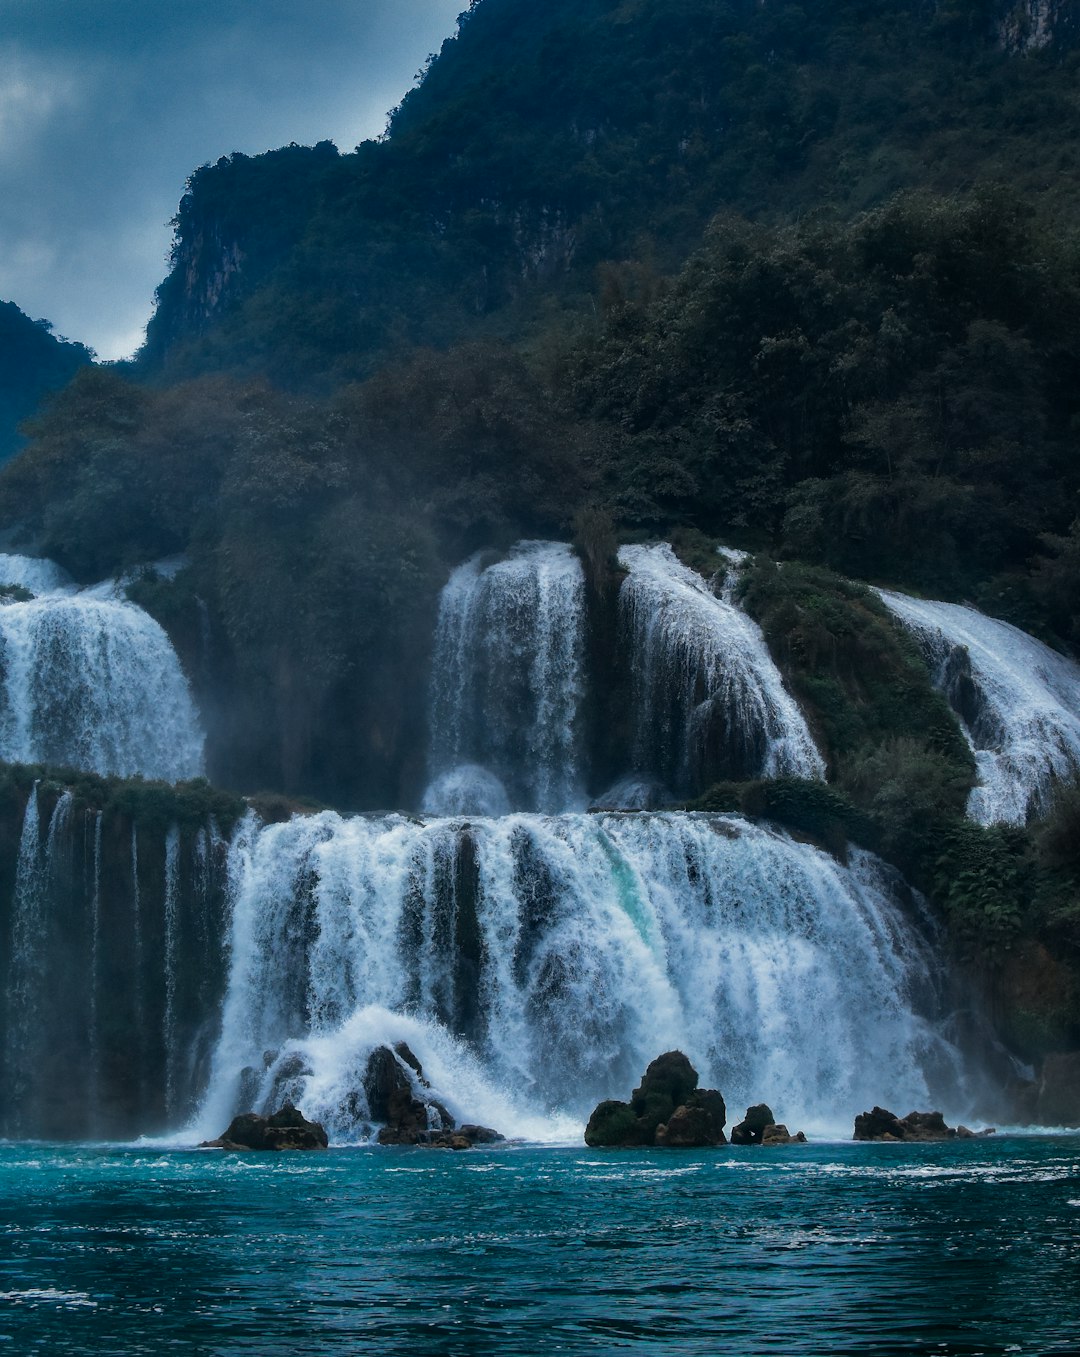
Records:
x=91, y=683
x=710, y=702
x=536, y=964
x=508, y=684
x=1018, y=702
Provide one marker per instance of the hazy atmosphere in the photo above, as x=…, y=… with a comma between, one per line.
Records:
x=106, y=106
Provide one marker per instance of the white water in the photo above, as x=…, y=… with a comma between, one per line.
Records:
x=35, y=574
x=1018, y=703
x=710, y=701
x=39, y=869
x=92, y=683
x=598, y=942
x=507, y=684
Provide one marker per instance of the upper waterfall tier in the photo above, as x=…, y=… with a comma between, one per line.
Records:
x=1018, y=702
x=91, y=683
x=536, y=964
x=710, y=701
x=507, y=684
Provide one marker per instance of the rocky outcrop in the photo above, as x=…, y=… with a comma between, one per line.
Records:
x=396, y=1093
x=751, y=1130
x=287, y=1129
x=778, y=1134
x=666, y=1109
x=759, y=1127
x=881, y=1124
x=1058, y=1099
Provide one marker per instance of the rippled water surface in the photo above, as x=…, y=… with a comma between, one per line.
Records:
x=829, y=1249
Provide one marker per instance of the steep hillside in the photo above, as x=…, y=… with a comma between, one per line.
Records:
x=33, y=361
x=545, y=140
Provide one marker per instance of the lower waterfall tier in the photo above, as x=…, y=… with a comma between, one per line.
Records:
x=536, y=964
x=533, y=964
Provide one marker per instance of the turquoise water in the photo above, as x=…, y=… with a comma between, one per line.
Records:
x=830, y=1249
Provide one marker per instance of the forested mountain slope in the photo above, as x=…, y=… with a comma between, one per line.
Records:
x=545, y=140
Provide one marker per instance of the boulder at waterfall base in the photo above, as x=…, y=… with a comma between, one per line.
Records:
x=881, y=1124
x=666, y=1109
x=397, y=1096
x=287, y=1129
x=776, y=1133
x=751, y=1130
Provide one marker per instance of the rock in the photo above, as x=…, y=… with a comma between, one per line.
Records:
x=612, y=1125
x=927, y=1126
x=752, y=1127
x=464, y=1138
x=665, y=1085
x=687, y=1128
x=962, y=1133
x=880, y=1124
x=287, y=1129
x=447, y=1140
x=391, y=1097
x=1058, y=1101
x=667, y=1109
x=408, y=1116
x=480, y=1135
x=776, y=1133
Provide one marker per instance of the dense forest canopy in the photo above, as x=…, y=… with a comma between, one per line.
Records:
x=800, y=278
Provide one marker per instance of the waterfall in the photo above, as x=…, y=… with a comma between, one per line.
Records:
x=95, y=685
x=172, y=891
x=27, y=947
x=35, y=574
x=710, y=702
x=507, y=684
x=111, y=973
x=1018, y=702
x=94, y=893
x=536, y=964
x=42, y=874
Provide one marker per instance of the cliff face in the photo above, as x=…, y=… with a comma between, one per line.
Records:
x=1033, y=25
x=543, y=141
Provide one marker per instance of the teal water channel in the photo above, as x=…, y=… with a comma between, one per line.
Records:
x=833, y=1248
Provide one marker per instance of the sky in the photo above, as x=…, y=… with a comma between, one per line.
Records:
x=106, y=107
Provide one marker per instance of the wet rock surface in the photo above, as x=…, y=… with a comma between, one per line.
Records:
x=751, y=1130
x=881, y=1124
x=776, y=1133
x=286, y=1129
x=666, y=1109
x=397, y=1096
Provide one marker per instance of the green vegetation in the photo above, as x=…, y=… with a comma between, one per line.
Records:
x=33, y=363
x=151, y=805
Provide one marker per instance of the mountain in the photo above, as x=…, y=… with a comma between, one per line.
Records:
x=33, y=362
x=544, y=142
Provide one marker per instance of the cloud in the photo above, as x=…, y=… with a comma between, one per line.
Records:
x=106, y=106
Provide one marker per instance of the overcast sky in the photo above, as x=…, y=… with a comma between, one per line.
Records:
x=106, y=106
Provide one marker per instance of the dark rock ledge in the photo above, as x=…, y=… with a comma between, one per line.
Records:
x=881, y=1124
x=400, y=1101
x=667, y=1109
x=760, y=1127
x=396, y=1094
x=287, y=1129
